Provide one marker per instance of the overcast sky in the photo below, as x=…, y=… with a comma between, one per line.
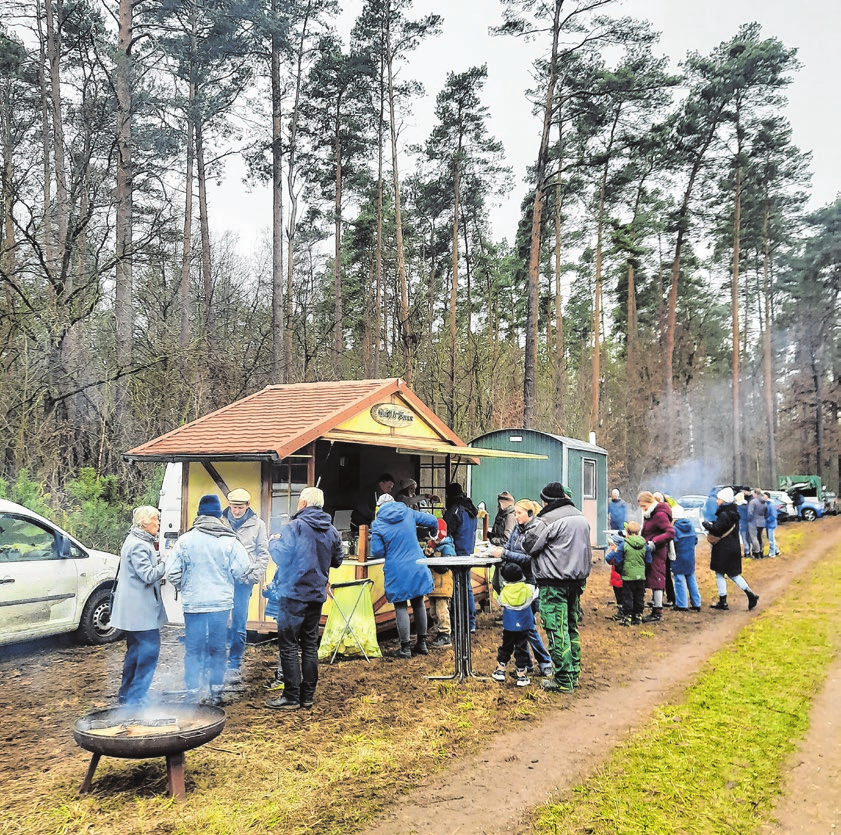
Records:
x=812, y=26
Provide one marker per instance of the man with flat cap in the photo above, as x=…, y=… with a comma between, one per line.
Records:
x=558, y=541
x=251, y=531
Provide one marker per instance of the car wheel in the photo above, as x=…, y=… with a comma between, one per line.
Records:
x=809, y=514
x=95, y=625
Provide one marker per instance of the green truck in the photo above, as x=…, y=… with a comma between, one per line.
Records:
x=818, y=501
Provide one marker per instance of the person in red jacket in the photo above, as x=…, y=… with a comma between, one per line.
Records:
x=657, y=529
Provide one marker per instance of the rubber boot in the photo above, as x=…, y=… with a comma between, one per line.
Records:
x=420, y=647
x=753, y=599
x=722, y=603
x=405, y=650
x=656, y=615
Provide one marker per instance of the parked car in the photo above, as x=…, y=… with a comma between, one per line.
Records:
x=785, y=506
x=50, y=583
x=693, y=507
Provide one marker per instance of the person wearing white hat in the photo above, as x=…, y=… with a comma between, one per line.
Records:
x=252, y=533
x=726, y=552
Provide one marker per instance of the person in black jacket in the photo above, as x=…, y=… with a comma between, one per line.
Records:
x=726, y=553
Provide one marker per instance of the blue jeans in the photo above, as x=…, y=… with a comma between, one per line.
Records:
x=237, y=633
x=204, y=648
x=471, y=607
x=773, y=550
x=142, y=651
x=297, y=644
x=682, y=581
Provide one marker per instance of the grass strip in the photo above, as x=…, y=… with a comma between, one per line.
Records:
x=714, y=763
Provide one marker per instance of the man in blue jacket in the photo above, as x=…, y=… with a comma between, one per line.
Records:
x=306, y=550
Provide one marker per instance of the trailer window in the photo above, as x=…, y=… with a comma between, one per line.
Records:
x=588, y=478
x=288, y=480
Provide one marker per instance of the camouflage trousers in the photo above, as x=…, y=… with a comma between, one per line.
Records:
x=560, y=611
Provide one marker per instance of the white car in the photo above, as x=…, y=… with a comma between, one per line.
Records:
x=50, y=583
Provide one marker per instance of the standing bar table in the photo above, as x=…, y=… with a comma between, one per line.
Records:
x=460, y=618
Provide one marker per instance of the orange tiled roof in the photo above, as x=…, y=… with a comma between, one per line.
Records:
x=279, y=420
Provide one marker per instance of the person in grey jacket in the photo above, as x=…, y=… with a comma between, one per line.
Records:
x=251, y=530
x=204, y=565
x=757, y=514
x=558, y=540
x=137, y=607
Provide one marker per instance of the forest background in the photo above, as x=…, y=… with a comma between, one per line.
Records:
x=666, y=287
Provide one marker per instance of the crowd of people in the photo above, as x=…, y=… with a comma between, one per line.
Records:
x=545, y=555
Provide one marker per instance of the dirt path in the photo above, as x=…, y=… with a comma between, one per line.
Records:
x=495, y=791
x=811, y=803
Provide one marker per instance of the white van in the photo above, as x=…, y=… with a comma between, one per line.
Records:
x=169, y=505
x=50, y=583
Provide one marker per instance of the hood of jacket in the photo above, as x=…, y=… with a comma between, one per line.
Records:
x=317, y=518
x=683, y=527
x=212, y=525
x=635, y=540
x=392, y=513
x=465, y=502
x=517, y=595
x=565, y=502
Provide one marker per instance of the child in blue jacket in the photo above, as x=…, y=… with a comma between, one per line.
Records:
x=515, y=598
x=683, y=567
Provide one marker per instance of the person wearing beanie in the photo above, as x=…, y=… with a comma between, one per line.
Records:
x=726, y=551
x=460, y=516
x=558, y=541
x=252, y=533
x=205, y=564
x=408, y=494
x=504, y=520
x=515, y=598
x=442, y=592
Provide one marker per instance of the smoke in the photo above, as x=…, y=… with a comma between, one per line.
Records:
x=695, y=476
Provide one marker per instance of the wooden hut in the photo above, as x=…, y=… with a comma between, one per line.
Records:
x=337, y=435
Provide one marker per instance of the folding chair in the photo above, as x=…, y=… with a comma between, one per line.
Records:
x=361, y=586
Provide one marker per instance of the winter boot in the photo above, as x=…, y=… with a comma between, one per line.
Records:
x=655, y=616
x=753, y=599
x=443, y=640
x=405, y=650
x=636, y=620
x=420, y=647
x=722, y=603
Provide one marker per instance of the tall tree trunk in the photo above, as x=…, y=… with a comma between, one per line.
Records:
x=559, y=363
x=291, y=176
x=738, y=464
x=532, y=293
x=60, y=166
x=277, y=374
x=379, y=255
x=595, y=389
x=338, y=325
x=124, y=199
x=204, y=230
x=7, y=245
x=46, y=141
x=682, y=228
x=767, y=361
x=406, y=336
x=187, y=247
x=451, y=375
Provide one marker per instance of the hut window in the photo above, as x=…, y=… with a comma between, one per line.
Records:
x=588, y=478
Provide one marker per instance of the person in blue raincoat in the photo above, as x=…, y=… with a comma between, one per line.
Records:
x=687, y=595
x=394, y=538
